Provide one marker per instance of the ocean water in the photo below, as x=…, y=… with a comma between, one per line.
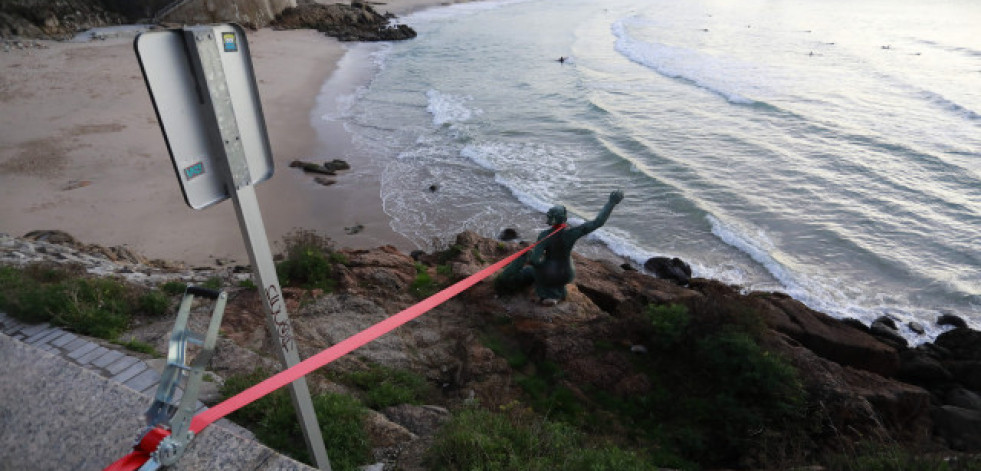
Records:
x=830, y=150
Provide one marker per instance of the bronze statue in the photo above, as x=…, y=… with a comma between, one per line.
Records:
x=550, y=262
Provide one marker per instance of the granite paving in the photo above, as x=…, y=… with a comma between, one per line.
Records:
x=109, y=361
x=58, y=415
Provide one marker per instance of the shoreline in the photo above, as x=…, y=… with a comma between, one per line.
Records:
x=81, y=151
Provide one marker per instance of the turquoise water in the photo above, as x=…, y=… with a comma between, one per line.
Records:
x=830, y=150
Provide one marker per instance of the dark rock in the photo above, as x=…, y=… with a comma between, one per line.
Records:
x=827, y=337
x=336, y=165
x=355, y=22
x=920, y=368
x=885, y=330
x=325, y=181
x=311, y=167
x=417, y=254
x=627, y=267
x=420, y=420
x=960, y=427
x=963, y=398
x=887, y=322
x=858, y=405
x=508, y=234
x=52, y=19
x=433, y=188
x=916, y=327
x=669, y=268
x=962, y=343
x=966, y=372
x=852, y=322
x=951, y=320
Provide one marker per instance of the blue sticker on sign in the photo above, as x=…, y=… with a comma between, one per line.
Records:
x=228, y=39
x=194, y=171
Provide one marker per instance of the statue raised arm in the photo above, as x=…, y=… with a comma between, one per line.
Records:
x=550, y=265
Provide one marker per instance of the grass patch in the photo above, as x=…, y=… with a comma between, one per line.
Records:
x=247, y=284
x=307, y=261
x=65, y=297
x=516, y=439
x=516, y=358
x=380, y=386
x=423, y=286
x=717, y=397
x=173, y=288
x=878, y=457
x=138, y=346
x=213, y=283
x=274, y=422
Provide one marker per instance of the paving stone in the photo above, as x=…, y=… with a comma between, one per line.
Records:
x=107, y=359
x=94, y=354
x=121, y=364
x=12, y=325
x=77, y=342
x=51, y=397
x=33, y=329
x=82, y=351
x=129, y=372
x=49, y=349
x=143, y=380
x=60, y=342
x=45, y=337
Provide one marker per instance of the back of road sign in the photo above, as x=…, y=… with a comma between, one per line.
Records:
x=187, y=115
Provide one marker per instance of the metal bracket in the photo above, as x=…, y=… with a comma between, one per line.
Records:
x=165, y=412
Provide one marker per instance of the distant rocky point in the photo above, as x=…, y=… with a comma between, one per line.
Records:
x=63, y=19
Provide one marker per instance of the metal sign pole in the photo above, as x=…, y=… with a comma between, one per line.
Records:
x=203, y=89
x=250, y=220
x=203, y=43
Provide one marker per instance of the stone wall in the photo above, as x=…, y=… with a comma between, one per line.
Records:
x=251, y=13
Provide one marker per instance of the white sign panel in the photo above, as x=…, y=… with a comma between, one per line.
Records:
x=186, y=109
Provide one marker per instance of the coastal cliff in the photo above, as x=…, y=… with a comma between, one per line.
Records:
x=757, y=380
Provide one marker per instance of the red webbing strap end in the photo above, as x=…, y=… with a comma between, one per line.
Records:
x=141, y=451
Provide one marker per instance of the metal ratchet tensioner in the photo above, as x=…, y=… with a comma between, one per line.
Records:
x=164, y=412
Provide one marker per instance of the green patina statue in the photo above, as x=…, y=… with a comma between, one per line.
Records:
x=549, y=264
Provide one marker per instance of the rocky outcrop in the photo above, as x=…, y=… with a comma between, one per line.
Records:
x=52, y=19
x=354, y=22
x=858, y=388
x=249, y=13
x=830, y=338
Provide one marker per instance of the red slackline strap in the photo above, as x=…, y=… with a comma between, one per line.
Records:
x=236, y=402
x=141, y=451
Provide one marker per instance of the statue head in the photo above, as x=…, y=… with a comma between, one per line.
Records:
x=556, y=215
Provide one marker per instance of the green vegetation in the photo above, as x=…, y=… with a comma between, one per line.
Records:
x=273, y=420
x=876, y=457
x=515, y=439
x=247, y=284
x=174, y=288
x=382, y=387
x=716, y=398
x=423, y=286
x=213, y=283
x=307, y=261
x=137, y=346
x=65, y=297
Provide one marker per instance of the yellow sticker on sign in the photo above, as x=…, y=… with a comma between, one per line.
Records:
x=228, y=39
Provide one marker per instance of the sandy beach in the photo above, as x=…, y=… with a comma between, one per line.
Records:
x=81, y=151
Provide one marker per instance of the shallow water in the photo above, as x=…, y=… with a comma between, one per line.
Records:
x=830, y=150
